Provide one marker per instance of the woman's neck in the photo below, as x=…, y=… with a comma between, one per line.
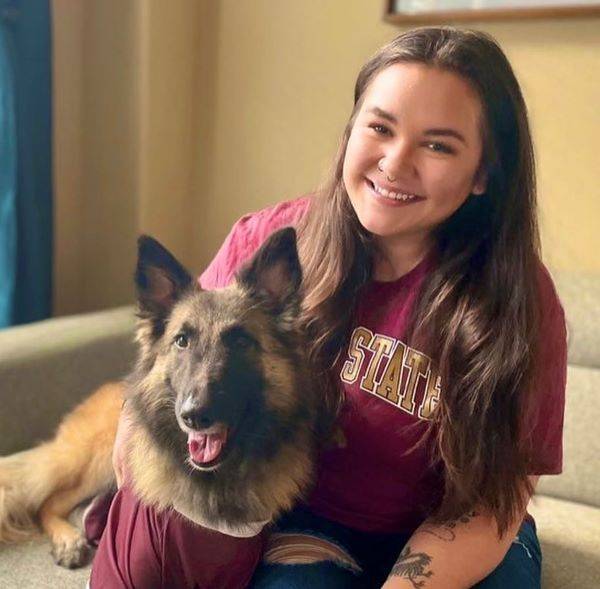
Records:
x=396, y=257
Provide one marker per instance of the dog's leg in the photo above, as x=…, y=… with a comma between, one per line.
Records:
x=84, y=446
x=69, y=547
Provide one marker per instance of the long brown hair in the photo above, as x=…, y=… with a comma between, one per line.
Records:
x=477, y=315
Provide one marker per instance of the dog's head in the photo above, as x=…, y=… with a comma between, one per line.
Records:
x=219, y=372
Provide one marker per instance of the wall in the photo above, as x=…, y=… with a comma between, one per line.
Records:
x=285, y=75
x=67, y=141
x=125, y=127
x=176, y=118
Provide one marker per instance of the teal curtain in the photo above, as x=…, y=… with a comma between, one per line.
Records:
x=8, y=184
x=26, y=213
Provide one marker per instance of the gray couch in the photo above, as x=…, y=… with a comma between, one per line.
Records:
x=567, y=507
x=47, y=367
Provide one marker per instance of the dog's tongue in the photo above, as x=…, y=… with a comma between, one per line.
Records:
x=206, y=447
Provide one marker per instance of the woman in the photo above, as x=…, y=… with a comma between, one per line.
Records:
x=435, y=326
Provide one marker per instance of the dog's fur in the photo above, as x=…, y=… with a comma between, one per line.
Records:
x=44, y=484
x=230, y=358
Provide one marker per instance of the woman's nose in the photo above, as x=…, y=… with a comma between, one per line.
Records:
x=398, y=161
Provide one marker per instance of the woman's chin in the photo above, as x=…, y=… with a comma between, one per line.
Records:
x=378, y=226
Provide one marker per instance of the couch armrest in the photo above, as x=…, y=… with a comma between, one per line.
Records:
x=49, y=366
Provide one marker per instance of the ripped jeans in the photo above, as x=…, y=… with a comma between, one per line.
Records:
x=310, y=552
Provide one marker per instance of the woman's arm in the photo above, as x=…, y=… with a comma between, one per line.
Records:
x=453, y=556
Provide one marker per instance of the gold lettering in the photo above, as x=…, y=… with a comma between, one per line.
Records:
x=380, y=345
x=390, y=381
x=419, y=365
x=388, y=386
x=351, y=369
x=432, y=395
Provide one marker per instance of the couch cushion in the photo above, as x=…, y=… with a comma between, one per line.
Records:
x=24, y=341
x=580, y=479
x=580, y=296
x=570, y=537
x=49, y=366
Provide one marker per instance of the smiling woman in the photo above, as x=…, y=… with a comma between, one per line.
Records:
x=413, y=157
x=432, y=325
x=424, y=298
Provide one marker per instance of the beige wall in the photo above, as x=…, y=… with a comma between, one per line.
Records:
x=67, y=141
x=285, y=75
x=176, y=118
x=125, y=140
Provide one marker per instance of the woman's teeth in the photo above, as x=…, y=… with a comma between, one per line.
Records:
x=390, y=194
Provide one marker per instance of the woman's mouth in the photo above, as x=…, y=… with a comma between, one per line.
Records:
x=392, y=197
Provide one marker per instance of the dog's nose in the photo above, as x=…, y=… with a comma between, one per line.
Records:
x=195, y=416
x=197, y=419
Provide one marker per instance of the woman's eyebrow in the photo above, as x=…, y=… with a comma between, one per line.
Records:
x=446, y=133
x=383, y=114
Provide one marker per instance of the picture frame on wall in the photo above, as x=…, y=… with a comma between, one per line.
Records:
x=436, y=11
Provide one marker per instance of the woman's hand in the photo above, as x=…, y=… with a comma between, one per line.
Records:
x=119, y=449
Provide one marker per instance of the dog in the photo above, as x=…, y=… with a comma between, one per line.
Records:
x=226, y=423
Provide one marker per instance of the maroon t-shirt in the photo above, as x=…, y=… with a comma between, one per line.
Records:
x=371, y=484
x=142, y=548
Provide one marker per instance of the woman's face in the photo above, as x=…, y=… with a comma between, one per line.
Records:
x=422, y=127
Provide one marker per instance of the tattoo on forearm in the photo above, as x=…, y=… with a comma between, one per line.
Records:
x=446, y=532
x=412, y=566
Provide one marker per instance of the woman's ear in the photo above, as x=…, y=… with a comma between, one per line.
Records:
x=480, y=181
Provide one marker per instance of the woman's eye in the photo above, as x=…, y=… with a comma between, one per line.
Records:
x=182, y=341
x=439, y=147
x=380, y=129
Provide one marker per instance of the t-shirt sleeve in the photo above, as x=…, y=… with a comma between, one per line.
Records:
x=128, y=556
x=246, y=236
x=236, y=249
x=550, y=382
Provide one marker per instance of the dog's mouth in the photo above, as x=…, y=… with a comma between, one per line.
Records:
x=208, y=448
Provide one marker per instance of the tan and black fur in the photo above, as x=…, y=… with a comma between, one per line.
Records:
x=40, y=487
x=243, y=365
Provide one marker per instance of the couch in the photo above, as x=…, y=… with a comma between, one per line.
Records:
x=567, y=507
x=45, y=368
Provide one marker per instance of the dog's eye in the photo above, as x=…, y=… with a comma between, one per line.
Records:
x=182, y=341
x=239, y=339
x=243, y=340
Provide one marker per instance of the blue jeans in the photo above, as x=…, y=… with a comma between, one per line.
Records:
x=371, y=557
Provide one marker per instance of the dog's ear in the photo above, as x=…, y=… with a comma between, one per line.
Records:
x=160, y=279
x=275, y=270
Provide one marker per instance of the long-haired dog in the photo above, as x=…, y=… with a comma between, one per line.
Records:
x=225, y=415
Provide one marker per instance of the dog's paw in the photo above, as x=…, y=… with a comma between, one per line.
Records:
x=71, y=554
